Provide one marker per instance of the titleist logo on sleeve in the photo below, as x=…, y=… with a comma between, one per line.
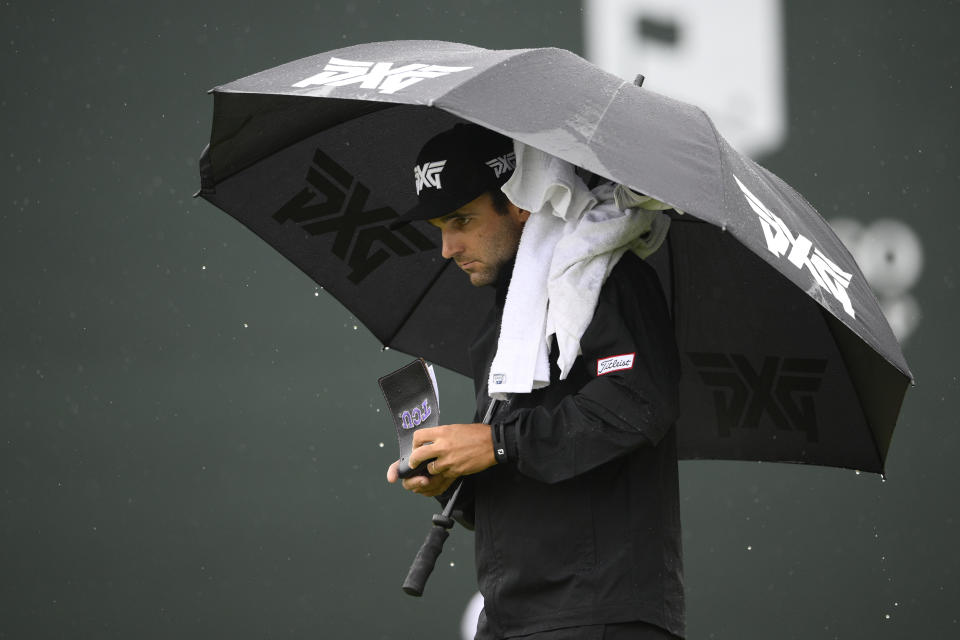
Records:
x=615, y=363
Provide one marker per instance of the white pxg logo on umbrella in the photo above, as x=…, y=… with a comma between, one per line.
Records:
x=381, y=76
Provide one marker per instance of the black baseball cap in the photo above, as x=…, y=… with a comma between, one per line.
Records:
x=457, y=166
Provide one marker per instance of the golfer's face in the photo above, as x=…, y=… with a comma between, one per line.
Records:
x=481, y=240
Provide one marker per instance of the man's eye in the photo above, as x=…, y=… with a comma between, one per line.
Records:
x=461, y=222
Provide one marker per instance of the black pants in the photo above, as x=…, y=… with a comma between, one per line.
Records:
x=619, y=631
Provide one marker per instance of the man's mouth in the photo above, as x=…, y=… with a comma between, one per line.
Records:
x=464, y=265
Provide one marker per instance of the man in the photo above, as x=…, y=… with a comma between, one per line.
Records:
x=573, y=487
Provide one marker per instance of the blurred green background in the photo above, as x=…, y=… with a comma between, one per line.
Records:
x=191, y=435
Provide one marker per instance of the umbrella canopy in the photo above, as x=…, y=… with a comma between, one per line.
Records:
x=786, y=354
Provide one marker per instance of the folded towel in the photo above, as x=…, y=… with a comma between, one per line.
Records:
x=567, y=249
x=583, y=259
x=545, y=184
x=549, y=188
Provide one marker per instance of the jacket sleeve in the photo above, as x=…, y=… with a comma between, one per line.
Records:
x=630, y=398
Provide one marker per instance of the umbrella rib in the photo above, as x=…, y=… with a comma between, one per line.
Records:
x=416, y=303
x=613, y=96
x=828, y=319
x=513, y=59
x=517, y=53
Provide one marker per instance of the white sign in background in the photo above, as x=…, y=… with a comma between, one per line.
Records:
x=725, y=57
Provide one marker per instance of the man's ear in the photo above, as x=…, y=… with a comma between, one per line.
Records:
x=521, y=214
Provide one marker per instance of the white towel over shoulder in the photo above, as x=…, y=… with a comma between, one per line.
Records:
x=567, y=249
x=582, y=260
x=553, y=193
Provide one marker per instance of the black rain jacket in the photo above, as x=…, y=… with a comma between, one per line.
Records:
x=582, y=525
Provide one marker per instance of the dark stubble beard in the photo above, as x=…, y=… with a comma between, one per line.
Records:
x=502, y=253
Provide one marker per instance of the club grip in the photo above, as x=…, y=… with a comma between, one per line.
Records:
x=426, y=558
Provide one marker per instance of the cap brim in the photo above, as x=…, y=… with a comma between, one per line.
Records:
x=419, y=212
x=430, y=210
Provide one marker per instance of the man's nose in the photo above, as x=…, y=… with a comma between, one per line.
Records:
x=451, y=248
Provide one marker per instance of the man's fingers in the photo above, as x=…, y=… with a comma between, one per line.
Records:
x=437, y=468
x=429, y=487
x=426, y=435
x=437, y=485
x=392, y=472
x=422, y=435
x=420, y=454
x=416, y=483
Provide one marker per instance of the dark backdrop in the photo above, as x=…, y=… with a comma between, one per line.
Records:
x=191, y=438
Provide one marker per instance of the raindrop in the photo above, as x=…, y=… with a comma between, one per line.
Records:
x=749, y=547
x=381, y=445
x=245, y=325
x=354, y=327
x=857, y=472
x=451, y=564
x=203, y=268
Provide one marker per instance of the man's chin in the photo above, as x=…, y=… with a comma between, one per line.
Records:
x=482, y=278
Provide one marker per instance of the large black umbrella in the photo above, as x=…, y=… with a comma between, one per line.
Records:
x=787, y=356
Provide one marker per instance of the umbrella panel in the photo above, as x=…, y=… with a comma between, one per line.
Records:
x=768, y=384
x=327, y=208
x=248, y=128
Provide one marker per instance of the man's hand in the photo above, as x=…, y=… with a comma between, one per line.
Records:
x=429, y=486
x=456, y=450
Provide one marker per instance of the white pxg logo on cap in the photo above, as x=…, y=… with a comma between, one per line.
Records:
x=428, y=175
x=457, y=166
x=503, y=164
